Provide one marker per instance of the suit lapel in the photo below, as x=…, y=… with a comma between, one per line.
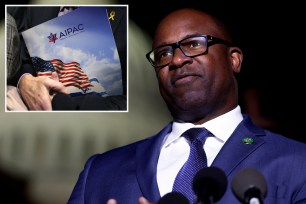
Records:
x=232, y=154
x=235, y=150
x=147, y=156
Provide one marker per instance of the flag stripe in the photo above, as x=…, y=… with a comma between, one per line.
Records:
x=70, y=74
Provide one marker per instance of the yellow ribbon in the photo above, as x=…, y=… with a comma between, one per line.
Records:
x=112, y=15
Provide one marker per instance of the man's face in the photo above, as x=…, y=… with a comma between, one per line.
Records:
x=193, y=87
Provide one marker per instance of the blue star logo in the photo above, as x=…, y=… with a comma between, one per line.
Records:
x=52, y=37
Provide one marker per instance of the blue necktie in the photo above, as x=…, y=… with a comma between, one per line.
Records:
x=196, y=161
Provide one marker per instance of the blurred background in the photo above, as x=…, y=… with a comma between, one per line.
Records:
x=42, y=154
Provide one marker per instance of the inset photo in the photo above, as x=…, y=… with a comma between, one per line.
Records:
x=66, y=58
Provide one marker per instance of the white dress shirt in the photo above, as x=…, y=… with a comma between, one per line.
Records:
x=175, y=149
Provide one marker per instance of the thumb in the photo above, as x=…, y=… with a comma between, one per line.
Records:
x=60, y=89
x=56, y=86
x=55, y=76
x=143, y=200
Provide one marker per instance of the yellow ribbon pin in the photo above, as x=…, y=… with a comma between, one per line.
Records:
x=112, y=15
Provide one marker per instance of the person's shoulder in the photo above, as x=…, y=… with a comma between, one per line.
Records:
x=272, y=138
x=122, y=152
x=285, y=141
x=129, y=150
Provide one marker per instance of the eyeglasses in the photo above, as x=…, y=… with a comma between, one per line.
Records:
x=191, y=47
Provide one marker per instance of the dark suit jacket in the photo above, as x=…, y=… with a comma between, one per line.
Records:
x=129, y=172
x=28, y=17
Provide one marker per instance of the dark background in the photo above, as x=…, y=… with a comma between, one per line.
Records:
x=272, y=38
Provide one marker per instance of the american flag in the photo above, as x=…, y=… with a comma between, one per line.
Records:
x=70, y=74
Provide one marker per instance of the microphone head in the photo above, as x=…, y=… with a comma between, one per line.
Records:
x=173, y=198
x=249, y=183
x=209, y=183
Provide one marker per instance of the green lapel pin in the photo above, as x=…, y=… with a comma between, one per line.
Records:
x=247, y=140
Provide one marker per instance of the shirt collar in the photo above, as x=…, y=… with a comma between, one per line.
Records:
x=228, y=121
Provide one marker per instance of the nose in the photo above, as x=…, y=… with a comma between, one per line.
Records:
x=179, y=59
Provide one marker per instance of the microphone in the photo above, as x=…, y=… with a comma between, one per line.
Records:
x=209, y=184
x=249, y=186
x=173, y=198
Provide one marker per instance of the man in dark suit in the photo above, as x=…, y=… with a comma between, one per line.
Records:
x=35, y=91
x=195, y=62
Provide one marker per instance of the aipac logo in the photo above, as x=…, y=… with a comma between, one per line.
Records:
x=66, y=33
x=52, y=37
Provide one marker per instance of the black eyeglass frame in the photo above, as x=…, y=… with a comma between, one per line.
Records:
x=213, y=40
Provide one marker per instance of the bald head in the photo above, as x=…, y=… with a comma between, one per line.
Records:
x=187, y=18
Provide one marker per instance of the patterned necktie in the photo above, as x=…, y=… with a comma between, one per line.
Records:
x=196, y=161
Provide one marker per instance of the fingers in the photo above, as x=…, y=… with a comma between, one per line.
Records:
x=143, y=200
x=37, y=92
x=111, y=201
x=36, y=97
x=56, y=86
x=55, y=76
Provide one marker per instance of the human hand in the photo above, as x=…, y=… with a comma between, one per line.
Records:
x=37, y=92
x=141, y=200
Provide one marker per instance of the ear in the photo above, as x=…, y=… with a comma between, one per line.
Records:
x=236, y=57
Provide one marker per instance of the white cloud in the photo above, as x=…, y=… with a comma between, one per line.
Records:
x=115, y=54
